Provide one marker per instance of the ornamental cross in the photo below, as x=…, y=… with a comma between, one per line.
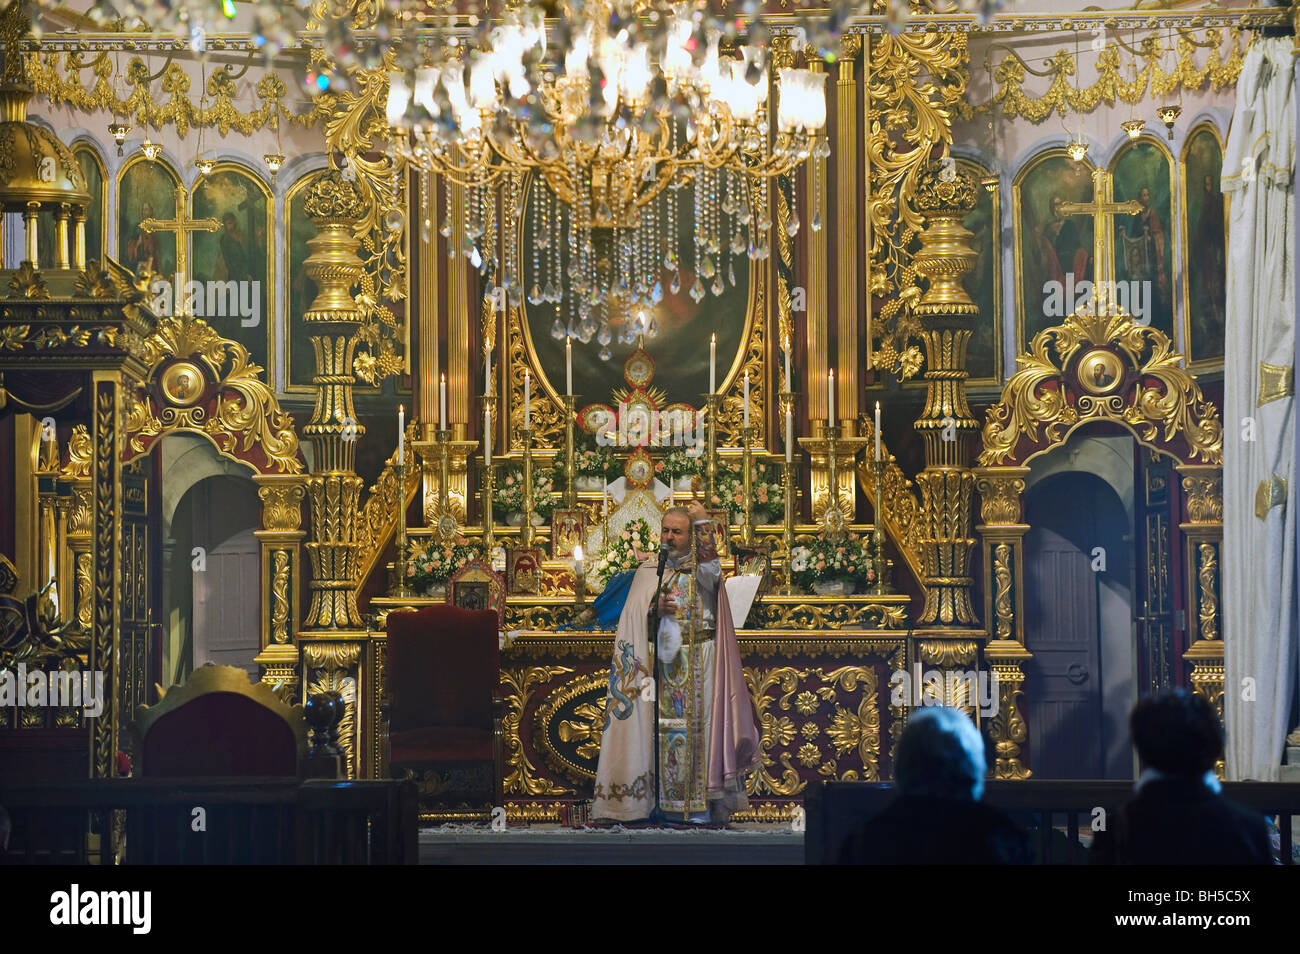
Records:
x=181, y=226
x=1102, y=208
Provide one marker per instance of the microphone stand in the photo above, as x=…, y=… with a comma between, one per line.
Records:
x=656, y=816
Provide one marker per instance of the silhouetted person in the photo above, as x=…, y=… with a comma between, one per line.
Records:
x=1178, y=816
x=937, y=818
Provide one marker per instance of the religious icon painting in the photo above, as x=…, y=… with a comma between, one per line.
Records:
x=1144, y=248
x=1205, y=241
x=523, y=570
x=567, y=530
x=146, y=190
x=234, y=264
x=1053, y=251
x=477, y=586
x=92, y=167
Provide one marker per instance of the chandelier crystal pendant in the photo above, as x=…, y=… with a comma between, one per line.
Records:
x=632, y=122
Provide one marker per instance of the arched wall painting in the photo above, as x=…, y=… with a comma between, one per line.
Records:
x=239, y=252
x=92, y=167
x=983, y=283
x=300, y=290
x=146, y=189
x=1144, y=243
x=1205, y=240
x=680, y=350
x=1049, y=246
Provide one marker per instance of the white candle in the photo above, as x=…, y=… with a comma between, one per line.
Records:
x=568, y=364
x=789, y=436
x=577, y=559
x=830, y=400
x=401, y=434
x=487, y=437
x=747, y=399
x=877, y=430
x=528, y=400
x=713, y=364
x=788, y=385
x=442, y=403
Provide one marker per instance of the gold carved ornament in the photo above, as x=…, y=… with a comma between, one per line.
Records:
x=916, y=83
x=1207, y=578
x=521, y=777
x=581, y=724
x=1007, y=727
x=246, y=413
x=1005, y=615
x=378, y=519
x=1061, y=96
x=1204, y=498
x=163, y=98
x=1161, y=403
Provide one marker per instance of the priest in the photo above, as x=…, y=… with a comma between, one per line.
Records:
x=700, y=709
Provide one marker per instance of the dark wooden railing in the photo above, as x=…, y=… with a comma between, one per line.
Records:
x=835, y=809
x=242, y=821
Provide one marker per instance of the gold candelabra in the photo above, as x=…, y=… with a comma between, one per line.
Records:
x=711, y=464
x=787, y=523
x=446, y=525
x=747, y=481
x=526, y=531
x=401, y=588
x=570, y=468
x=878, y=561
x=489, y=481
x=832, y=445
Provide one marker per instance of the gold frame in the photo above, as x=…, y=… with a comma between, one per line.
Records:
x=1185, y=319
x=91, y=147
x=757, y=276
x=1052, y=152
x=229, y=165
x=1174, y=209
x=130, y=164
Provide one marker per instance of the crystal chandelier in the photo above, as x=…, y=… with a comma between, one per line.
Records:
x=603, y=145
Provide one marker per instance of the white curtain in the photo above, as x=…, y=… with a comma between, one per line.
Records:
x=1259, y=549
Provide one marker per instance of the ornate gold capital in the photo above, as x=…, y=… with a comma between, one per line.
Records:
x=281, y=501
x=1203, y=487
x=1000, y=489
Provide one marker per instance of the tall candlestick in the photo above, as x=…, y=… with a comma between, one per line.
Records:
x=401, y=434
x=830, y=400
x=789, y=436
x=442, y=403
x=789, y=386
x=528, y=399
x=877, y=430
x=713, y=364
x=568, y=364
x=747, y=399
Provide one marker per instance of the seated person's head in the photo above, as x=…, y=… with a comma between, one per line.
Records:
x=941, y=755
x=1177, y=733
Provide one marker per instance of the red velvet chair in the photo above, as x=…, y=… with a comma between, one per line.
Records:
x=219, y=724
x=444, y=693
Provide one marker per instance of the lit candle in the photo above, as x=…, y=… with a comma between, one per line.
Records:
x=401, y=434
x=528, y=400
x=877, y=430
x=789, y=436
x=830, y=400
x=713, y=364
x=442, y=403
x=747, y=399
x=568, y=364
x=577, y=560
x=487, y=437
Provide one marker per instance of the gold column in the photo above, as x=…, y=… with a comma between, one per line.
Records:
x=29, y=220
x=1203, y=533
x=461, y=373
x=1002, y=533
x=281, y=574
x=946, y=426
x=815, y=243
x=106, y=619
x=61, y=259
x=334, y=204
x=79, y=237
x=426, y=406
x=848, y=273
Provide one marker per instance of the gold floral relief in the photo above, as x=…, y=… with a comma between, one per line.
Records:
x=521, y=775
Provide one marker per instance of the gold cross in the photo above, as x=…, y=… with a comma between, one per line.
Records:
x=181, y=226
x=1102, y=208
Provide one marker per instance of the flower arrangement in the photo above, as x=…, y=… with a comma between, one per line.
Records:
x=590, y=460
x=678, y=463
x=509, y=494
x=434, y=563
x=829, y=560
x=729, y=489
x=620, y=553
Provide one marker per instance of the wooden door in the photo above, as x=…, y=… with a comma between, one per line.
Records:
x=226, y=599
